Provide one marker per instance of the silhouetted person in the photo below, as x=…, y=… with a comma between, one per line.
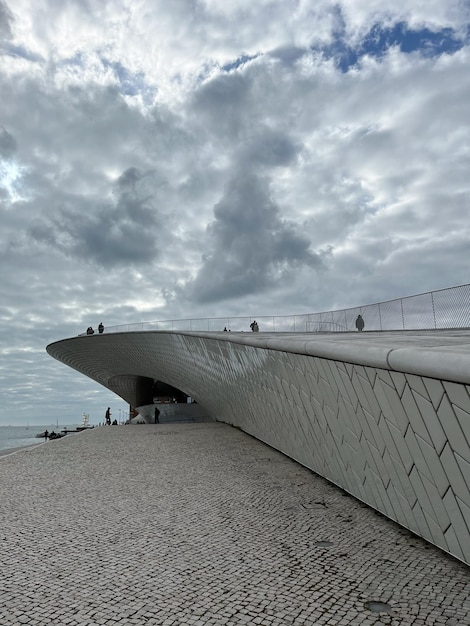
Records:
x=90, y=331
x=254, y=326
x=360, y=323
x=101, y=328
x=46, y=434
x=225, y=329
x=108, y=416
x=157, y=413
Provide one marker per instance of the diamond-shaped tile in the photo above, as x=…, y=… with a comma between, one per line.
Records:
x=457, y=394
x=435, y=390
x=452, y=429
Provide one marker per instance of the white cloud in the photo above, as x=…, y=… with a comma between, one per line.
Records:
x=198, y=158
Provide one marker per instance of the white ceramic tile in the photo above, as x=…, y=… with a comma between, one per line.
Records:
x=457, y=394
x=453, y=545
x=421, y=493
x=371, y=374
x=435, y=471
x=465, y=510
x=451, y=427
x=367, y=457
x=463, y=419
x=413, y=414
x=371, y=429
x=396, y=443
x=438, y=512
x=404, y=485
x=464, y=467
x=396, y=512
x=399, y=380
x=367, y=397
x=373, y=498
x=435, y=528
x=458, y=523
x=435, y=391
x=408, y=517
x=348, y=390
x=391, y=405
x=431, y=421
x=424, y=529
x=349, y=417
x=416, y=383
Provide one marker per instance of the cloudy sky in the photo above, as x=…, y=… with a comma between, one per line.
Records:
x=206, y=158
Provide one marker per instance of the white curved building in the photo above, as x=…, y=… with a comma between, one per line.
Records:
x=385, y=416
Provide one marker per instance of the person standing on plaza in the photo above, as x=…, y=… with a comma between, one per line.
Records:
x=108, y=416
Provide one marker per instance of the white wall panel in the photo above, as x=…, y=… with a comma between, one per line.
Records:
x=396, y=440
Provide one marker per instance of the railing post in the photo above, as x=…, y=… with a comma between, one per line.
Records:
x=402, y=314
x=433, y=310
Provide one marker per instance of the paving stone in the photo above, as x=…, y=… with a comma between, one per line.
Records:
x=200, y=524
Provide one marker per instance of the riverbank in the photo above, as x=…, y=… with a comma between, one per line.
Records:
x=7, y=451
x=201, y=524
x=13, y=438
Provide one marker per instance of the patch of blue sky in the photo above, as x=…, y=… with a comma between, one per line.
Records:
x=76, y=60
x=21, y=52
x=380, y=39
x=241, y=60
x=131, y=84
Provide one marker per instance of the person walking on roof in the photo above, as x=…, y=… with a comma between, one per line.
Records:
x=360, y=323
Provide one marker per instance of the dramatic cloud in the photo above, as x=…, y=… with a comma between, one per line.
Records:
x=6, y=19
x=252, y=247
x=201, y=158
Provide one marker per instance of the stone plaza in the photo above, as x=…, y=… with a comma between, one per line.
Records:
x=201, y=524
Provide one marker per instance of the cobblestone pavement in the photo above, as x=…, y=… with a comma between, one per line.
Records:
x=198, y=524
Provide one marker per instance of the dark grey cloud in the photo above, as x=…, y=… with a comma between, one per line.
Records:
x=108, y=234
x=6, y=20
x=7, y=143
x=270, y=147
x=223, y=104
x=251, y=247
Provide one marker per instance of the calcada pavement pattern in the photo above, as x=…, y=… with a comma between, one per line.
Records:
x=198, y=524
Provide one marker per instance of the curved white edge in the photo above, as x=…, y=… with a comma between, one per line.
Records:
x=433, y=363
x=447, y=362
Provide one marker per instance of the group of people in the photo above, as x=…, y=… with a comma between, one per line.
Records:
x=51, y=435
x=90, y=331
x=254, y=327
x=359, y=325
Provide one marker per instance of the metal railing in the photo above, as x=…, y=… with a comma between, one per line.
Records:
x=445, y=308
